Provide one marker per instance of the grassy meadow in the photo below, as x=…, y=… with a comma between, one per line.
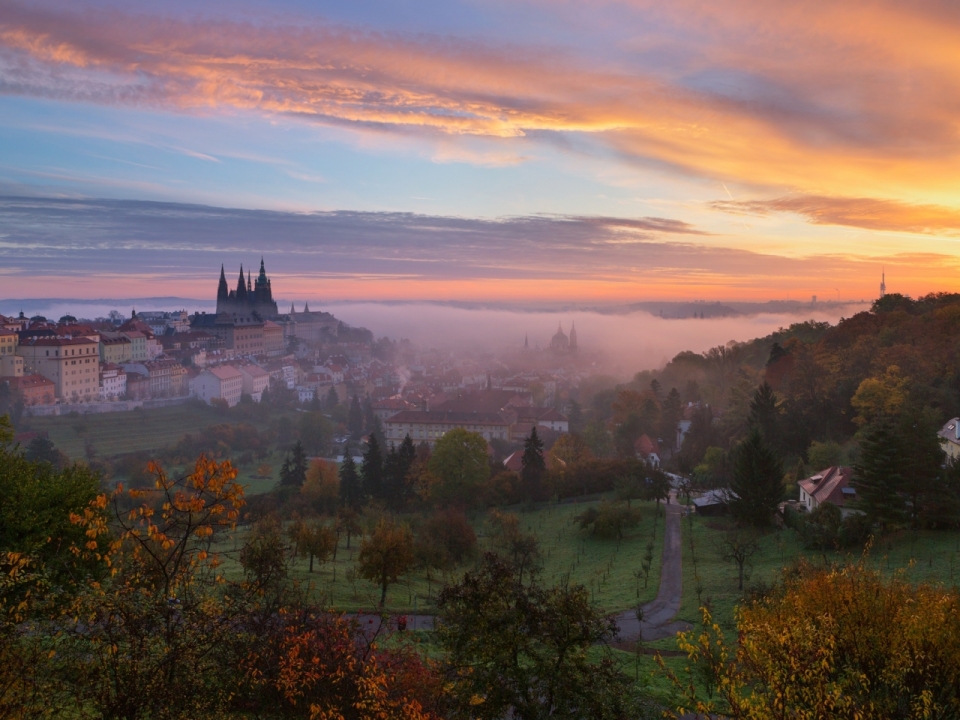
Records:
x=604, y=566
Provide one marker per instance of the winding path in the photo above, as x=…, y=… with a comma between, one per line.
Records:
x=658, y=622
x=658, y=614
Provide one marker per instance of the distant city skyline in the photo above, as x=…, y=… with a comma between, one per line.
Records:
x=609, y=151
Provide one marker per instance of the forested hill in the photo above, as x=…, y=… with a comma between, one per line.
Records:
x=902, y=357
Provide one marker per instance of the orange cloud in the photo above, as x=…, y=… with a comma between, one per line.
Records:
x=822, y=97
x=867, y=213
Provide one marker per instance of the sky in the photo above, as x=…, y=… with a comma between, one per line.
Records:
x=592, y=151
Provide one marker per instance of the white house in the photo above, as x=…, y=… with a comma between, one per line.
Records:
x=113, y=382
x=222, y=382
x=255, y=381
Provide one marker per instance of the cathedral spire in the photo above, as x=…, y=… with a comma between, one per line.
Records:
x=306, y=307
x=222, y=291
x=249, y=284
x=241, y=287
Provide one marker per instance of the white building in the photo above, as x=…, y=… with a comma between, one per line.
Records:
x=222, y=382
x=113, y=382
x=255, y=381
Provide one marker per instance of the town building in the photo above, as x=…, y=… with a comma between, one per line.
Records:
x=255, y=381
x=33, y=389
x=11, y=366
x=113, y=382
x=72, y=364
x=273, y=342
x=166, y=377
x=116, y=348
x=831, y=485
x=9, y=339
x=431, y=425
x=241, y=333
x=219, y=383
x=950, y=438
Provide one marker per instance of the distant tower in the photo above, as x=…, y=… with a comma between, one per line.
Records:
x=249, y=285
x=306, y=307
x=223, y=293
x=526, y=342
x=883, y=283
x=573, y=337
x=292, y=310
x=241, y=296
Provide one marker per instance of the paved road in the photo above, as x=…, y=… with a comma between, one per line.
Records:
x=658, y=622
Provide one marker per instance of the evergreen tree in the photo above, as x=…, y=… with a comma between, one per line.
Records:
x=765, y=414
x=670, y=415
x=575, y=416
x=370, y=419
x=293, y=472
x=532, y=466
x=757, y=481
x=285, y=471
x=355, y=419
x=396, y=469
x=879, y=474
x=922, y=468
x=314, y=404
x=351, y=493
x=332, y=398
x=41, y=449
x=372, y=470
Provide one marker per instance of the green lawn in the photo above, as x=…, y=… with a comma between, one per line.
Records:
x=926, y=556
x=125, y=432
x=604, y=566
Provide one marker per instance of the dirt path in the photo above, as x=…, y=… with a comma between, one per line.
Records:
x=658, y=622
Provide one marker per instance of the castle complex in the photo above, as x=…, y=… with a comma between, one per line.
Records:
x=249, y=297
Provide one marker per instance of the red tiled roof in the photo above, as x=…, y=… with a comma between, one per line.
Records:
x=645, y=445
x=827, y=485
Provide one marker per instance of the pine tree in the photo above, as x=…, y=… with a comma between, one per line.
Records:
x=332, y=398
x=764, y=414
x=396, y=468
x=670, y=414
x=372, y=470
x=351, y=493
x=532, y=466
x=879, y=474
x=298, y=465
x=355, y=419
x=922, y=464
x=757, y=482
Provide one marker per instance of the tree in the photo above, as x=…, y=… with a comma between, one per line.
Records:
x=317, y=541
x=355, y=419
x=528, y=652
x=332, y=398
x=757, y=483
x=765, y=414
x=519, y=549
x=532, y=466
x=322, y=486
x=878, y=476
x=293, y=473
x=396, y=474
x=569, y=450
x=351, y=491
x=739, y=546
x=459, y=461
x=609, y=520
x=37, y=504
x=446, y=540
x=822, y=455
x=41, y=449
x=386, y=555
x=670, y=416
x=371, y=469
x=313, y=432
x=885, y=649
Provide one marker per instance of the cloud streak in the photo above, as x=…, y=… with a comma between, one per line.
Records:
x=866, y=213
x=80, y=246
x=816, y=96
